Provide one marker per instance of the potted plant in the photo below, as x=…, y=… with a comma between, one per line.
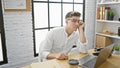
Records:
x=117, y=49
x=110, y=15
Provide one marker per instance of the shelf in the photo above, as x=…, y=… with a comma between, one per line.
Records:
x=102, y=24
x=112, y=36
x=107, y=3
x=108, y=21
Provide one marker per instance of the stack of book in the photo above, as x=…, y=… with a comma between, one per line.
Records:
x=102, y=13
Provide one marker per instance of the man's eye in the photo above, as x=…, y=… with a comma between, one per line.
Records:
x=74, y=20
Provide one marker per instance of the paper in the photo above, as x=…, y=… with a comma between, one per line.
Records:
x=46, y=64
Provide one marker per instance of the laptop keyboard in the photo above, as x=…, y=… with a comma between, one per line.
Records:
x=86, y=59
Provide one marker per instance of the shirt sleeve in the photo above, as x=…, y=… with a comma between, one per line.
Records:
x=79, y=48
x=83, y=43
x=46, y=46
x=82, y=47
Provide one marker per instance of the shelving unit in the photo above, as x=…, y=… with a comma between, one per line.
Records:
x=111, y=36
x=108, y=21
x=109, y=25
x=108, y=3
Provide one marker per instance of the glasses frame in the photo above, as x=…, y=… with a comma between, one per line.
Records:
x=75, y=20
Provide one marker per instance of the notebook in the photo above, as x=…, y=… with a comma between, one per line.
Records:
x=46, y=64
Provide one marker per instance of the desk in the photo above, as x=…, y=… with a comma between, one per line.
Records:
x=112, y=62
x=64, y=63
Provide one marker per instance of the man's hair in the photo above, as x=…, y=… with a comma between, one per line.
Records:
x=72, y=13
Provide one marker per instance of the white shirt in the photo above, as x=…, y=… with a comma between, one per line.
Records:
x=57, y=41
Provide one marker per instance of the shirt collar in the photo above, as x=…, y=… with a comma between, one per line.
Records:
x=67, y=34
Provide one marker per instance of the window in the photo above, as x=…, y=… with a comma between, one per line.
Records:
x=48, y=14
x=3, y=55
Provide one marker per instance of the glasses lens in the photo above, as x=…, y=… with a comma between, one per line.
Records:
x=74, y=20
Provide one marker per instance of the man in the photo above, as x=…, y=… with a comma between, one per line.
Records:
x=60, y=41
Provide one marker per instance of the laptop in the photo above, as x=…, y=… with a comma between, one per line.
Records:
x=87, y=61
x=91, y=61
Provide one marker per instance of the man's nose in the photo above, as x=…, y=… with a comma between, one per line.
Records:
x=77, y=23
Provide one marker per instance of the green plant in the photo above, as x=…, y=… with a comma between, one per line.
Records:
x=111, y=13
x=117, y=47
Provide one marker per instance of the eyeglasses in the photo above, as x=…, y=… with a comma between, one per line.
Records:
x=74, y=20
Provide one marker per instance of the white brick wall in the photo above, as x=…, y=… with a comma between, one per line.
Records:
x=19, y=35
x=19, y=39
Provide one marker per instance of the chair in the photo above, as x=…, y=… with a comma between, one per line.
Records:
x=39, y=54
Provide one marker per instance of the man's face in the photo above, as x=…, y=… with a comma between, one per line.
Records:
x=73, y=23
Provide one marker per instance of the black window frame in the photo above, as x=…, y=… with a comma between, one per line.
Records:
x=4, y=51
x=34, y=47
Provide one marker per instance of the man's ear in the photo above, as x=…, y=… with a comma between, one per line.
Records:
x=66, y=21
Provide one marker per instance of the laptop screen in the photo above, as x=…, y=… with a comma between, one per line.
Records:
x=102, y=57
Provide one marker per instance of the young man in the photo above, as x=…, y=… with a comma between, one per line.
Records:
x=60, y=41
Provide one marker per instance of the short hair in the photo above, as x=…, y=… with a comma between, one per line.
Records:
x=72, y=13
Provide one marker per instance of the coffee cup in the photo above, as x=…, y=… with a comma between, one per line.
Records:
x=73, y=63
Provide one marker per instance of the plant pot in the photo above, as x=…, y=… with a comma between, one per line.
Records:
x=110, y=18
x=116, y=52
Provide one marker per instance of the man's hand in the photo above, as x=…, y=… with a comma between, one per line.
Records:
x=81, y=32
x=61, y=56
x=81, y=25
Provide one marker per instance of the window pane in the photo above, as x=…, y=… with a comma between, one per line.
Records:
x=66, y=8
x=41, y=10
x=67, y=0
x=55, y=15
x=40, y=0
x=78, y=1
x=39, y=36
x=55, y=0
x=40, y=15
x=1, y=53
x=79, y=8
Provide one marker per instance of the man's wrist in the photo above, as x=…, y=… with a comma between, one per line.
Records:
x=80, y=29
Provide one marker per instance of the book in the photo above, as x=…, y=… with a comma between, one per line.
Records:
x=106, y=13
x=98, y=13
x=103, y=13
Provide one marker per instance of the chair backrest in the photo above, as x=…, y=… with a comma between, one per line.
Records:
x=39, y=54
x=102, y=57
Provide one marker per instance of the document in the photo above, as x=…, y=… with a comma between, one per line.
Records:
x=46, y=64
